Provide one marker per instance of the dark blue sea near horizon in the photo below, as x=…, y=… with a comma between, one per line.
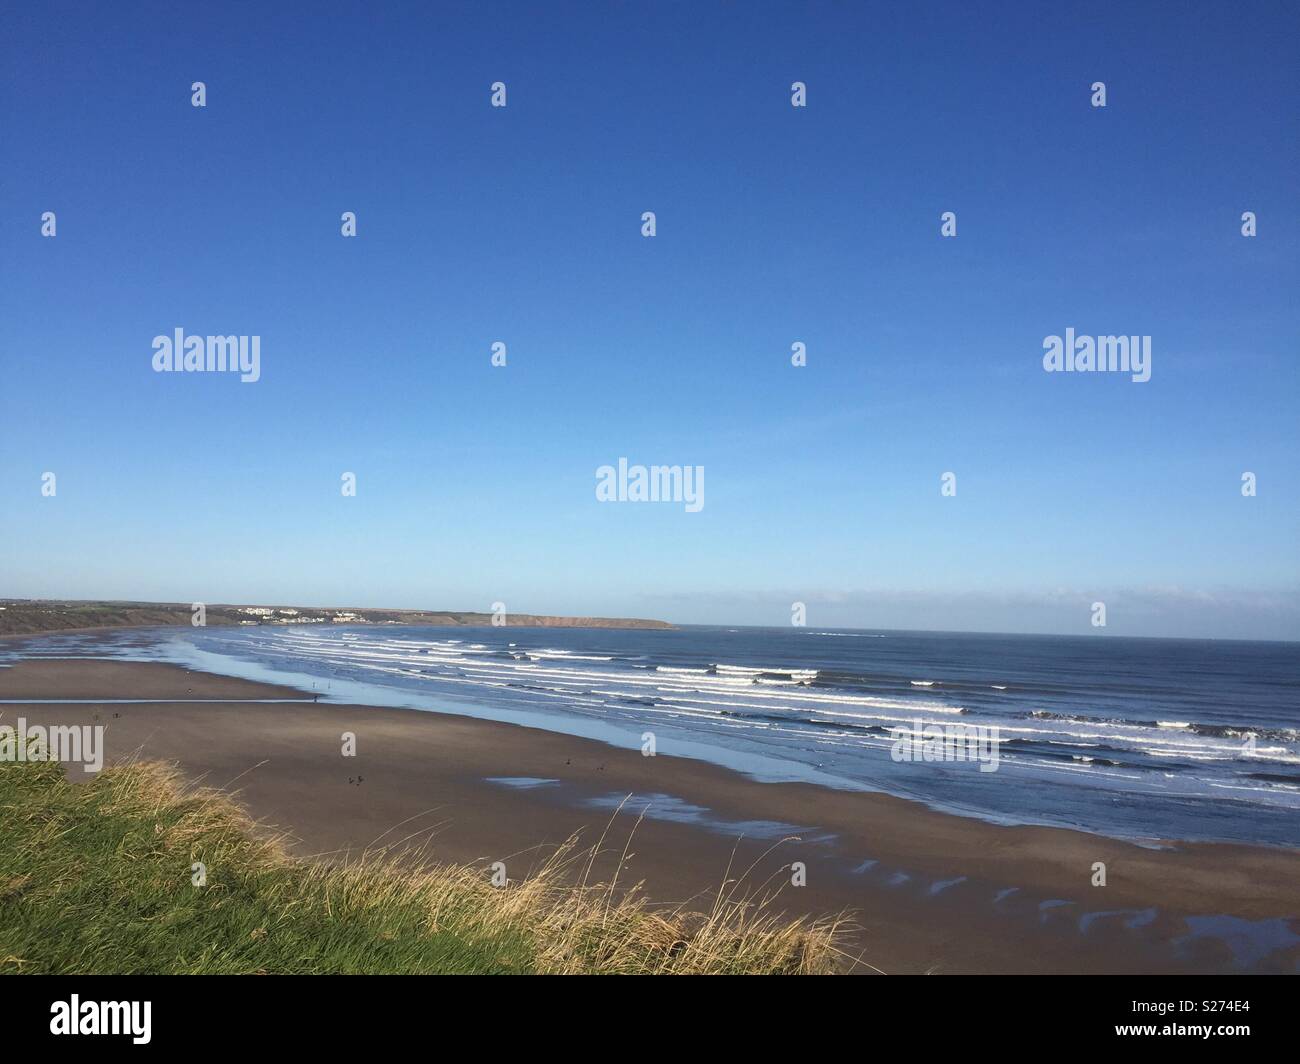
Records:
x=1137, y=738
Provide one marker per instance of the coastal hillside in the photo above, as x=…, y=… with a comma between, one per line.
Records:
x=33, y=616
x=137, y=872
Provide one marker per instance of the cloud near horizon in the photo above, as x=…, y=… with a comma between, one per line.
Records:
x=1162, y=611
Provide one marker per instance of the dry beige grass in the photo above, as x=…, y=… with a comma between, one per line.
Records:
x=96, y=877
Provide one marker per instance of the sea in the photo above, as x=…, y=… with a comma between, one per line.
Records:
x=1144, y=739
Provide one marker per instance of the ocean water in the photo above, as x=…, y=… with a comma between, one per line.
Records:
x=1137, y=738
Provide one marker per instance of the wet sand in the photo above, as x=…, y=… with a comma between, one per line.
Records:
x=929, y=891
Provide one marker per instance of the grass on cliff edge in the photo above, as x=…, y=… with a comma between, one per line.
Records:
x=95, y=877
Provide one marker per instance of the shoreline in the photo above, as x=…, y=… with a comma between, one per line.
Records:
x=760, y=768
x=931, y=890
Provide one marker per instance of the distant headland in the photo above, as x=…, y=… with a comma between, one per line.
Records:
x=34, y=616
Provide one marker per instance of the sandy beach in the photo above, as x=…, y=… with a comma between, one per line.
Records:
x=930, y=892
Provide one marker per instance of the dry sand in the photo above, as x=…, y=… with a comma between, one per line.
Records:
x=929, y=891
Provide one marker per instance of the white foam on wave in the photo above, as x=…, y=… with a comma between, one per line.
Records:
x=723, y=696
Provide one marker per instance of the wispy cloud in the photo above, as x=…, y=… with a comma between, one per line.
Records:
x=1162, y=610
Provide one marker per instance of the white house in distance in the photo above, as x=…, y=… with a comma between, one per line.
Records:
x=269, y=615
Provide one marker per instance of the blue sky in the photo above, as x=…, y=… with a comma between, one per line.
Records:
x=775, y=225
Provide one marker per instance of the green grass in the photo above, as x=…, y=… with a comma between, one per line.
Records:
x=95, y=877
